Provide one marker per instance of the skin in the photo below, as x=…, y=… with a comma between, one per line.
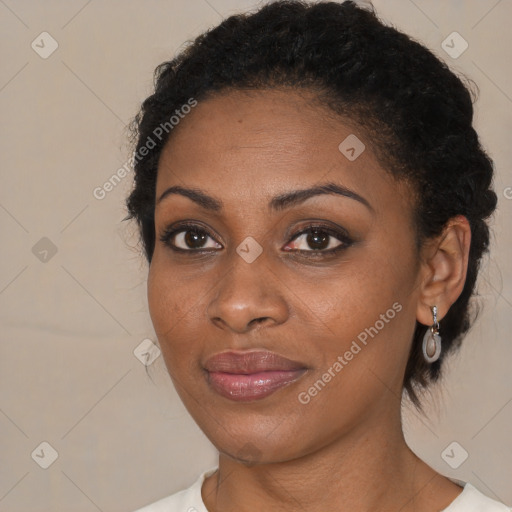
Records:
x=345, y=449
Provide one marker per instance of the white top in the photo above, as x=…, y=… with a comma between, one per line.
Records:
x=190, y=500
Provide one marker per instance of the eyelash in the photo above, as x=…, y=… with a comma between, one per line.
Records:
x=341, y=236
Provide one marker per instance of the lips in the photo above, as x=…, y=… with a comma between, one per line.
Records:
x=244, y=376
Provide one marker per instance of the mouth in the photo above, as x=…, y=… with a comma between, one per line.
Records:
x=246, y=376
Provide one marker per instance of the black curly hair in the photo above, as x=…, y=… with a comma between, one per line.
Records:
x=417, y=113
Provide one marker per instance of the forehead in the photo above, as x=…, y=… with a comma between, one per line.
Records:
x=254, y=144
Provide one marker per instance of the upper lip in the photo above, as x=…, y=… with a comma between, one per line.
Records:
x=250, y=362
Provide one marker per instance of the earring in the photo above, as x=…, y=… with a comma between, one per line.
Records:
x=432, y=340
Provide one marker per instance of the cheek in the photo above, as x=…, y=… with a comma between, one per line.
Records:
x=345, y=300
x=367, y=301
x=174, y=309
x=162, y=303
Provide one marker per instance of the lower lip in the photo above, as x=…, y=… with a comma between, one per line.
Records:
x=240, y=387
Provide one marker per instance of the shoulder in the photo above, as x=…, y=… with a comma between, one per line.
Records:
x=187, y=500
x=472, y=500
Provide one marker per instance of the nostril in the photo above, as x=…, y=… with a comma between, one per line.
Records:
x=258, y=320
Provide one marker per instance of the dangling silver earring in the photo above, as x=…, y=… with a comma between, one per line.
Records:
x=432, y=340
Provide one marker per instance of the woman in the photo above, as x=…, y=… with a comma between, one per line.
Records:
x=312, y=200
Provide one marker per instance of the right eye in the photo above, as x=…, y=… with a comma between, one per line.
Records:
x=188, y=238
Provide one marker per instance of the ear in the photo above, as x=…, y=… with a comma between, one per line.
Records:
x=444, y=268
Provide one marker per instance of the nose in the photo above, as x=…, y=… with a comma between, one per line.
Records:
x=249, y=295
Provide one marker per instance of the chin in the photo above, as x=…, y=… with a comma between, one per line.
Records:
x=251, y=443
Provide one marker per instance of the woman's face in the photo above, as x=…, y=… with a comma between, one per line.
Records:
x=246, y=280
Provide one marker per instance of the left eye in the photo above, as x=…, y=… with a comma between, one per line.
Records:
x=318, y=239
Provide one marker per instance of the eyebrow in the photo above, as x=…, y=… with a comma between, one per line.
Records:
x=277, y=203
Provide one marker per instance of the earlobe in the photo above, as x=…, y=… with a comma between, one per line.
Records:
x=445, y=268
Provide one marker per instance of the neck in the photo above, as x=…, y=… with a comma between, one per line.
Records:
x=366, y=469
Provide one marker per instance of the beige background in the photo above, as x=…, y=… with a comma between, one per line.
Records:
x=70, y=321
